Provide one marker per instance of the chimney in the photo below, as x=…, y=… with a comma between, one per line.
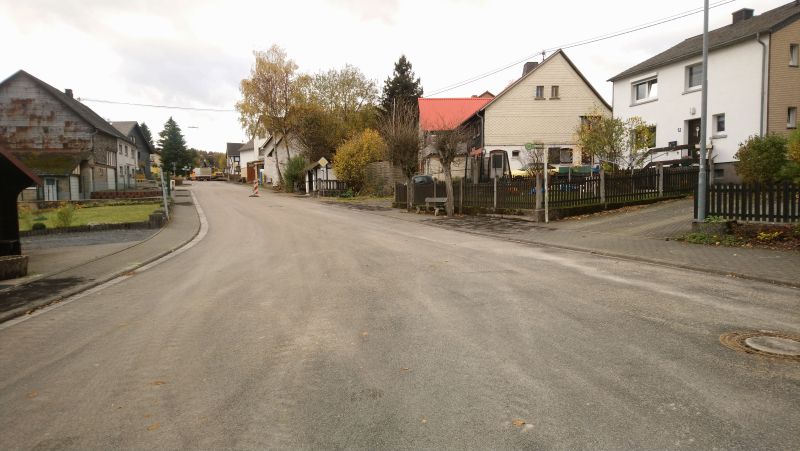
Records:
x=529, y=66
x=742, y=14
x=68, y=92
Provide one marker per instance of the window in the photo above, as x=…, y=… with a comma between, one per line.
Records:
x=792, y=117
x=719, y=123
x=540, y=92
x=645, y=90
x=794, y=55
x=565, y=156
x=553, y=92
x=694, y=76
x=515, y=153
x=553, y=155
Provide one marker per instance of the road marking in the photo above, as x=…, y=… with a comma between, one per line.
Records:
x=199, y=237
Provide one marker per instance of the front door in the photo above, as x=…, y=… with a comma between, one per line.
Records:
x=693, y=130
x=50, y=189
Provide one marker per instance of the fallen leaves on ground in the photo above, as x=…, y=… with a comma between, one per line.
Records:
x=518, y=423
x=157, y=383
x=32, y=394
x=153, y=427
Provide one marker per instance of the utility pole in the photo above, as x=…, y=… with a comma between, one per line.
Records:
x=702, y=182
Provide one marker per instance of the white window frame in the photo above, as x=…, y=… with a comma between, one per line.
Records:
x=649, y=83
x=688, y=75
x=794, y=55
x=555, y=92
x=791, y=117
x=717, y=133
x=539, y=92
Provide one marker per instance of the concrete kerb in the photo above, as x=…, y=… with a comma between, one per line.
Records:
x=583, y=250
x=43, y=303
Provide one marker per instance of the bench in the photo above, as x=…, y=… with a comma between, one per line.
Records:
x=437, y=203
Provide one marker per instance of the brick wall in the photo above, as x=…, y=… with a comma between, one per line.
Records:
x=784, y=81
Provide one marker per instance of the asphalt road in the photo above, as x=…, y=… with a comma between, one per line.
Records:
x=300, y=325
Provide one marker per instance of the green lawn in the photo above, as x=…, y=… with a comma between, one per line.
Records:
x=115, y=214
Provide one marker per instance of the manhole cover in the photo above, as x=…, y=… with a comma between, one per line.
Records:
x=772, y=344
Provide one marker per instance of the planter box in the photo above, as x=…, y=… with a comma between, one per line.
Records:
x=13, y=266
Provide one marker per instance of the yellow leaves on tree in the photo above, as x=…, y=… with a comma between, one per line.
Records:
x=352, y=157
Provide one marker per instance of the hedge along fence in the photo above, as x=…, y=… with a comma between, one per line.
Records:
x=577, y=193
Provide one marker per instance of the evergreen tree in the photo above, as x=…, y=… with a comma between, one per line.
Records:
x=173, y=148
x=147, y=135
x=403, y=87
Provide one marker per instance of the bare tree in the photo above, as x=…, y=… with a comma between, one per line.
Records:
x=401, y=133
x=449, y=145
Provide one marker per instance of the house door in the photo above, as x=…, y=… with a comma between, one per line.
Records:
x=50, y=189
x=693, y=129
x=74, y=187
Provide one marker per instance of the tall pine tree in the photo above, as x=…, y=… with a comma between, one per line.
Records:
x=147, y=134
x=173, y=148
x=403, y=87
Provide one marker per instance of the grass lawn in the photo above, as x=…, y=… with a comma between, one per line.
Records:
x=115, y=214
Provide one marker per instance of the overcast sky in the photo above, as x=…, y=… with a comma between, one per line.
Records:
x=194, y=53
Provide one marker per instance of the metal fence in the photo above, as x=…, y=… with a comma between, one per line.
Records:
x=754, y=202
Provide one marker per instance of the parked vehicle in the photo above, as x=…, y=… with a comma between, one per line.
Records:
x=202, y=174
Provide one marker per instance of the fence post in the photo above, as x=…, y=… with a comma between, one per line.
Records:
x=495, y=192
x=602, y=185
x=660, y=180
x=538, y=191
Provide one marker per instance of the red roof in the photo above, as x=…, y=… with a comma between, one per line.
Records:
x=447, y=114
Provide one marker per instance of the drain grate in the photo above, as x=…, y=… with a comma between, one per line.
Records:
x=765, y=343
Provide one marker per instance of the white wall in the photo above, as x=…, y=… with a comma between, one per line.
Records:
x=734, y=88
x=126, y=164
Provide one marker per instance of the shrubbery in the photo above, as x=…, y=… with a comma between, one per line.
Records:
x=352, y=158
x=293, y=173
x=65, y=215
x=766, y=159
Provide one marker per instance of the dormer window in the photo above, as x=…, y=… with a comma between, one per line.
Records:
x=645, y=90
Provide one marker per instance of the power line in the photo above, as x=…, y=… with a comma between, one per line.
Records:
x=169, y=107
x=615, y=34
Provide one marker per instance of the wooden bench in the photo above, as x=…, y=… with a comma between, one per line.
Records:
x=437, y=203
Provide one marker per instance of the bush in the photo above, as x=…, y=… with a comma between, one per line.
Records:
x=38, y=226
x=762, y=159
x=65, y=215
x=352, y=158
x=293, y=173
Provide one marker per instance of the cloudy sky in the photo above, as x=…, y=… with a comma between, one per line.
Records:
x=194, y=53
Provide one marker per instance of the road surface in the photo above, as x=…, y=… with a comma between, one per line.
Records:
x=299, y=325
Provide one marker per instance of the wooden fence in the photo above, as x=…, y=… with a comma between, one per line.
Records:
x=520, y=193
x=330, y=188
x=754, y=202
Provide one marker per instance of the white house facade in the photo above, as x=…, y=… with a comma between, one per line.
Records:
x=666, y=90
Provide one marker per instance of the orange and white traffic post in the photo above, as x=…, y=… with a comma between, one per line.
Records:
x=255, y=189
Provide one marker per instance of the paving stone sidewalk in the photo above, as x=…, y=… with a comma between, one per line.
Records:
x=644, y=233
x=84, y=270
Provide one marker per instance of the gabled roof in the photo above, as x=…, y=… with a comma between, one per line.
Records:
x=447, y=114
x=767, y=22
x=127, y=127
x=78, y=108
x=249, y=145
x=23, y=169
x=539, y=66
x=232, y=149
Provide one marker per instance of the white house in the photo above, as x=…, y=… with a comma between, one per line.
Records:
x=545, y=105
x=753, y=88
x=273, y=151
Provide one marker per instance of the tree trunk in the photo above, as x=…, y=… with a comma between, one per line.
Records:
x=409, y=194
x=278, y=169
x=448, y=183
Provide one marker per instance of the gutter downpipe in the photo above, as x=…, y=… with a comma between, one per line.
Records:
x=763, y=81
